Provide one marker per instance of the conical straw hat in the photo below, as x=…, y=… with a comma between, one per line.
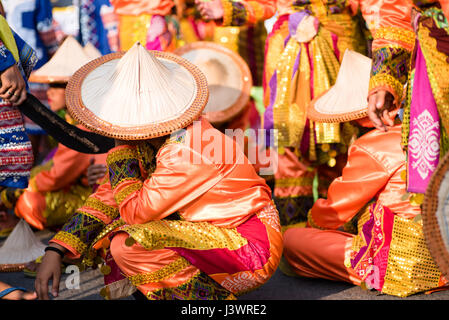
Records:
x=69, y=57
x=20, y=247
x=435, y=215
x=137, y=95
x=348, y=99
x=228, y=77
x=91, y=51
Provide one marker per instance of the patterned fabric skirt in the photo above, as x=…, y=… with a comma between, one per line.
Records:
x=16, y=154
x=175, y=259
x=390, y=254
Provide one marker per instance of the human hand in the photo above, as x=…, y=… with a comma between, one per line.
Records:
x=95, y=172
x=210, y=9
x=50, y=269
x=379, y=105
x=13, y=87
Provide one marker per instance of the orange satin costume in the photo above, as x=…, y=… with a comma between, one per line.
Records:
x=374, y=172
x=57, y=189
x=197, y=213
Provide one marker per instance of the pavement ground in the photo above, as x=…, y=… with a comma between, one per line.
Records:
x=279, y=287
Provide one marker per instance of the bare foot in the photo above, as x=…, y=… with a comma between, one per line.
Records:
x=16, y=294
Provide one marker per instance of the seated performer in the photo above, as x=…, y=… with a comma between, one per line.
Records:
x=388, y=252
x=183, y=214
x=57, y=187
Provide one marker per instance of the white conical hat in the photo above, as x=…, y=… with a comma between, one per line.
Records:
x=228, y=77
x=69, y=57
x=348, y=99
x=91, y=51
x=20, y=247
x=137, y=95
x=435, y=216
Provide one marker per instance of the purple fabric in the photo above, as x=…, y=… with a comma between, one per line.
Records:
x=424, y=137
x=293, y=22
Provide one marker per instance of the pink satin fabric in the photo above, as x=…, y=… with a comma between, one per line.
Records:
x=375, y=164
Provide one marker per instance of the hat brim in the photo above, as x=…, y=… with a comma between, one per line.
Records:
x=431, y=227
x=47, y=79
x=222, y=116
x=92, y=122
x=315, y=115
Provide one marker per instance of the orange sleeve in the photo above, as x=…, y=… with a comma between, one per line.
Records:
x=174, y=183
x=239, y=13
x=362, y=178
x=393, y=40
x=68, y=166
x=77, y=234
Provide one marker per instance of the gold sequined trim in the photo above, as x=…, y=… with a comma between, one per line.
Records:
x=5, y=200
x=122, y=154
x=396, y=34
x=411, y=268
x=312, y=222
x=227, y=12
x=184, y=234
x=438, y=68
x=294, y=182
x=161, y=274
x=96, y=204
x=71, y=240
x=90, y=215
x=33, y=185
x=123, y=194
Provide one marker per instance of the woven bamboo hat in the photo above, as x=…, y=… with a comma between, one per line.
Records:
x=137, y=95
x=435, y=215
x=69, y=57
x=348, y=99
x=91, y=51
x=228, y=77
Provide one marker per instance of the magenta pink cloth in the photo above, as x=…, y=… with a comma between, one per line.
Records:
x=370, y=262
x=424, y=137
x=250, y=257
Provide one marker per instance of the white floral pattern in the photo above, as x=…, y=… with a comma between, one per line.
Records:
x=424, y=144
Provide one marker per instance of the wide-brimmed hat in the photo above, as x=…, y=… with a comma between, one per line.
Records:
x=435, y=215
x=347, y=99
x=91, y=51
x=69, y=57
x=138, y=94
x=228, y=77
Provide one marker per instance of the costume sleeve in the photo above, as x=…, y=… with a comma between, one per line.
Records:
x=393, y=41
x=362, y=178
x=68, y=166
x=6, y=56
x=45, y=27
x=240, y=13
x=174, y=183
x=98, y=211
